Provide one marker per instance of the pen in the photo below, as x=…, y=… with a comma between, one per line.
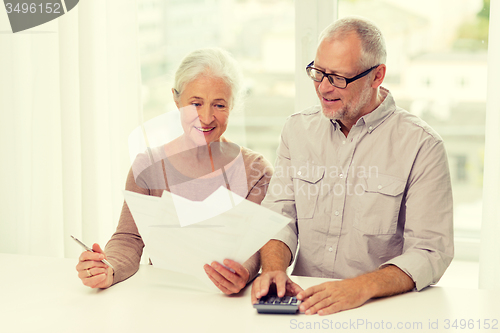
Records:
x=89, y=249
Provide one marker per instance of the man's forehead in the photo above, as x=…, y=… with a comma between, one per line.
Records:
x=338, y=55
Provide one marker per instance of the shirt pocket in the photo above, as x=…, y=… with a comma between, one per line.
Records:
x=306, y=179
x=377, y=207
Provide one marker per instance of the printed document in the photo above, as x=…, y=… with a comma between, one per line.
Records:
x=182, y=235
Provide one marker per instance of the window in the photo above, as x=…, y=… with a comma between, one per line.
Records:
x=260, y=35
x=460, y=168
x=438, y=48
x=437, y=69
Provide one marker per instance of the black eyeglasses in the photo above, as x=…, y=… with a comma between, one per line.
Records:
x=335, y=80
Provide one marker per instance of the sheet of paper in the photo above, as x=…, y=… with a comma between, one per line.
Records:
x=182, y=235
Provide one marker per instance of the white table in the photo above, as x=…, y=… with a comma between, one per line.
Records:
x=41, y=294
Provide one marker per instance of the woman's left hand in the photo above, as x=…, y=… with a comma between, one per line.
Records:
x=229, y=282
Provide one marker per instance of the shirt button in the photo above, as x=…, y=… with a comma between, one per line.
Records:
x=341, y=175
x=379, y=187
x=343, y=142
x=370, y=128
x=299, y=173
x=330, y=249
x=337, y=213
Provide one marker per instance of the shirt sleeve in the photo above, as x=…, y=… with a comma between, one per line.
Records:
x=428, y=210
x=280, y=195
x=124, y=249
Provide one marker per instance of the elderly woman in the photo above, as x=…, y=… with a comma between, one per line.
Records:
x=207, y=87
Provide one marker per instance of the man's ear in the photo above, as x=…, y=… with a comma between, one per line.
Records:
x=379, y=75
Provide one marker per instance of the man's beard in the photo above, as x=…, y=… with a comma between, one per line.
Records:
x=351, y=111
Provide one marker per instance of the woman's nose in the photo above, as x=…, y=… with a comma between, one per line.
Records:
x=206, y=115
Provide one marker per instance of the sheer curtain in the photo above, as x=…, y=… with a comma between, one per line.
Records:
x=69, y=97
x=489, y=264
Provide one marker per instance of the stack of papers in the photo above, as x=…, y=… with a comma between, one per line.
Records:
x=182, y=235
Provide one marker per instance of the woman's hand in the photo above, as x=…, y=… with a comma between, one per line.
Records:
x=229, y=281
x=92, y=271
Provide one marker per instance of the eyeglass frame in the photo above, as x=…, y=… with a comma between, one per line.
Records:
x=328, y=75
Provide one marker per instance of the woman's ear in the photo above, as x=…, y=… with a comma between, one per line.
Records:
x=176, y=97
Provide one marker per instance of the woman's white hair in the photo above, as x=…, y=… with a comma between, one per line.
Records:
x=372, y=41
x=214, y=62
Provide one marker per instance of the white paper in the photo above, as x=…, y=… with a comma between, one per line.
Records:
x=182, y=235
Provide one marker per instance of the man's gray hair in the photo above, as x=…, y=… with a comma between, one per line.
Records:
x=372, y=41
x=214, y=62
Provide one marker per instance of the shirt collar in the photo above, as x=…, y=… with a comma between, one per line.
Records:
x=373, y=119
x=334, y=122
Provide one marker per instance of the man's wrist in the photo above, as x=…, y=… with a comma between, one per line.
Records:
x=369, y=287
x=386, y=281
x=275, y=256
x=269, y=270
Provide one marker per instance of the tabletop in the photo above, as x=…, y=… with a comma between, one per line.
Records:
x=40, y=294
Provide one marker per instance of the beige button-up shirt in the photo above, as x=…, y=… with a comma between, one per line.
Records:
x=382, y=195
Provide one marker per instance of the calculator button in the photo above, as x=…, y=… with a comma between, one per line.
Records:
x=278, y=305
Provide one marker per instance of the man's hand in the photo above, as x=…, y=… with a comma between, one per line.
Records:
x=284, y=286
x=332, y=297
x=229, y=282
x=275, y=258
x=335, y=296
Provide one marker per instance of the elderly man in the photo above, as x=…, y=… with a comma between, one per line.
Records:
x=365, y=183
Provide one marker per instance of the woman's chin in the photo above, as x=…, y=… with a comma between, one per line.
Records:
x=201, y=140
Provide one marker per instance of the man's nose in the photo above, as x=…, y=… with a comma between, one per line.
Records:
x=206, y=114
x=325, y=86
